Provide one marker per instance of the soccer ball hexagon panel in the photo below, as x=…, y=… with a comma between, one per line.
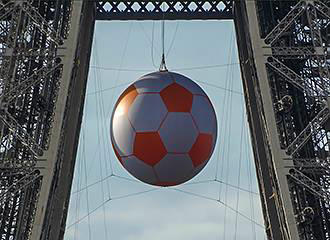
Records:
x=163, y=129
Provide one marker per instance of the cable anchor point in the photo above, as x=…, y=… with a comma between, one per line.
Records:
x=163, y=67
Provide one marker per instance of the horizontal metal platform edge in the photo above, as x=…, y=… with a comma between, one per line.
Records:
x=167, y=16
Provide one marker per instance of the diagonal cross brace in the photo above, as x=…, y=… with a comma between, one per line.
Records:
x=32, y=80
x=41, y=23
x=305, y=135
x=294, y=78
x=310, y=184
x=6, y=10
x=19, y=132
x=316, y=35
x=285, y=23
x=19, y=185
x=322, y=8
x=314, y=28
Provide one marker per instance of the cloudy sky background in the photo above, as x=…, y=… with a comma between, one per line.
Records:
x=206, y=52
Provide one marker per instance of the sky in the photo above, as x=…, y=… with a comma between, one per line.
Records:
x=220, y=202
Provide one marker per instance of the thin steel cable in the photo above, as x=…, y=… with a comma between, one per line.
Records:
x=81, y=165
x=219, y=201
x=110, y=88
x=108, y=200
x=205, y=67
x=162, y=66
x=222, y=127
x=127, y=83
x=228, y=124
x=163, y=35
x=189, y=183
x=152, y=44
x=120, y=66
x=90, y=185
x=86, y=182
x=237, y=187
x=127, y=179
x=243, y=215
x=87, y=215
x=239, y=173
x=219, y=87
x=105, y=139
x=155, y=189
x=248, y=154
x=100, y=140
x=174, y=69
x=173, y=39
x=79, y=185
x=135, y=194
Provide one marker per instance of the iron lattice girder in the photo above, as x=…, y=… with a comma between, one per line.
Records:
x=296, y=52
x=31, y=81
x=295, y=79
x=19, y=132
x=312, y=127
x=42, y=23
x=16, y=85
x=310, y=184
x=6, y=10
x=285, y=23
x=322, y=8
x=19, y=185
x=314, y=164
x=169, y=10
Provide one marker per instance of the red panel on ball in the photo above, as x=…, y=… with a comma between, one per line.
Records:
x=177, y=98
x=149, y=148
x=201, y=149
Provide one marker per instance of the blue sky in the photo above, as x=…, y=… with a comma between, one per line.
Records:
x=206, y=52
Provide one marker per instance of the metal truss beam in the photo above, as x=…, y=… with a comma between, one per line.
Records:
x=169, y=10
x=32, y=80
x=314, y=126
x=316, y=36
x=23, y=182
x=18, y=131
x=314, y=28
x=6, y=10
x=296, y=52
x=13, y=165
x=310, y=184
x=295, y=79
x=42, y=24
x=322, y=8
x=28, y=52
x=316, y=165
x=286, y=22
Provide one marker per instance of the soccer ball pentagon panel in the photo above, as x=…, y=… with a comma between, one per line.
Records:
x=163, y=129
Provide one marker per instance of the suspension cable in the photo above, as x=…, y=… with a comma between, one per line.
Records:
x=162, y=67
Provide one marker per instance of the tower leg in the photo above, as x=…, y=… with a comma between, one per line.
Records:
x=57, y=171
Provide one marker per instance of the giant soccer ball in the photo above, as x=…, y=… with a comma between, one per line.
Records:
x=163, y=129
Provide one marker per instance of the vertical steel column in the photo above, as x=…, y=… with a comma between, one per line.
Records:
x=57, y=170
x=283, y=54
x=275, y=195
